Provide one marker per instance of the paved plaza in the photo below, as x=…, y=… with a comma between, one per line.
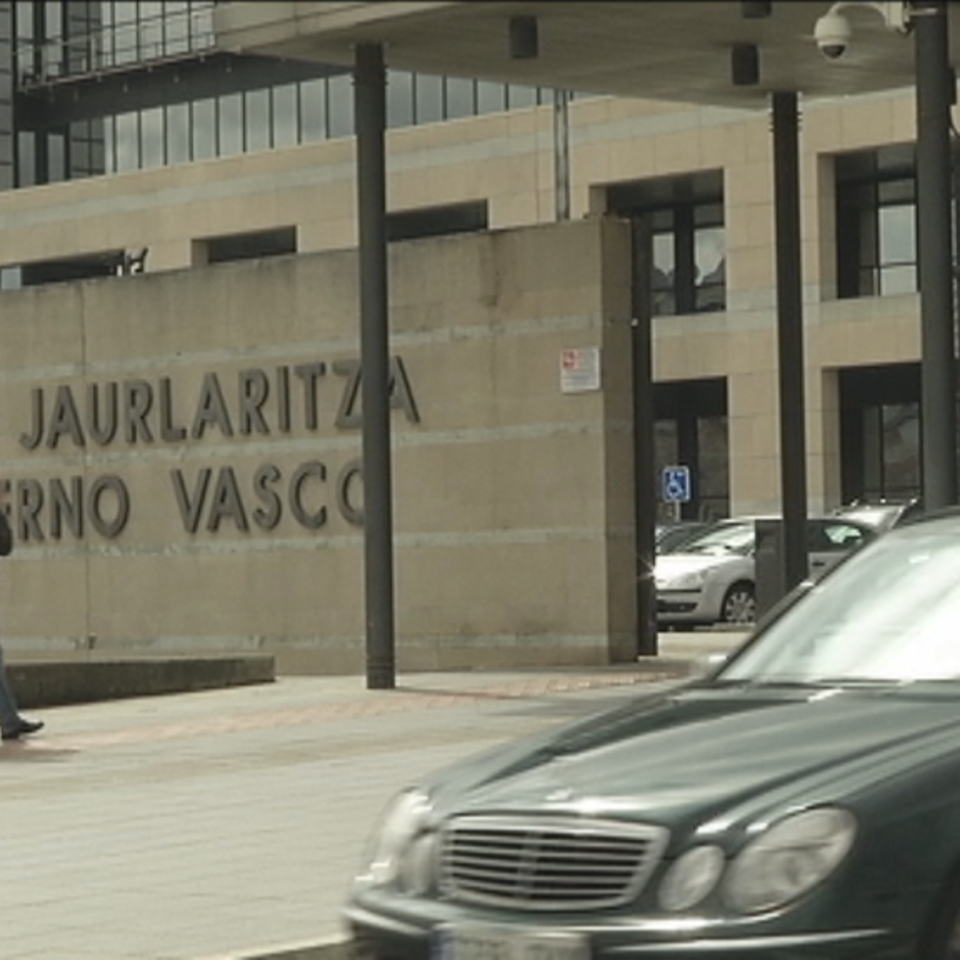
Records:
x=227, y=824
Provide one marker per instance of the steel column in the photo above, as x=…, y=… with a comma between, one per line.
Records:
x=793, y=452
x=561, y=153
x=370, y=104
x=938, y=416
x=644, y=460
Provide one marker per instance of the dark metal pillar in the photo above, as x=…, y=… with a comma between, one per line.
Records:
x=370, y=103
x=644, y=439
x=561, y=153
x=793, y=447
x=938, y=416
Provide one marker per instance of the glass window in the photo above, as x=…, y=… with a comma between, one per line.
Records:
x=257, y=104
x=204, y=129
x=519, y=97
x=125, y=36
x=124, y=11
x=285, y=121
x=428, y=98
x=53, y=19
x=894, y=280
x=709, y=250
x=109, y=151
x=56, y=157
x=399, y=98
x=151, y=28
x=876, y=223
x=127, y=141
x=685, y=218
x=26, y=159
x=11, y=278
x=201, y=25
x=491, y=97
x=176, y=27
x=25, y=25
x=460, y=98
x=151, y=138
x=664, y=274
x=178, y=133
x=898, y=234
x=313, y=110
x=230, y=125
x=340, y=106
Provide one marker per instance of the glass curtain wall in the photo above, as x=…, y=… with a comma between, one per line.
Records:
x=58, y=38
x=292, y=114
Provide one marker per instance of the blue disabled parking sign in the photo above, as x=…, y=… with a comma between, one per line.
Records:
x=675, y=484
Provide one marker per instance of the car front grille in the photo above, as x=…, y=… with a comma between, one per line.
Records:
x=548, y=863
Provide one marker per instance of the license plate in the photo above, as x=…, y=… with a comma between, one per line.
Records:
x=481, y=942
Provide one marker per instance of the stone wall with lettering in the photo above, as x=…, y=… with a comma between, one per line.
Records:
x=181, y=457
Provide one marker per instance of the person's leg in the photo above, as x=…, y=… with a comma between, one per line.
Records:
x=9, y=715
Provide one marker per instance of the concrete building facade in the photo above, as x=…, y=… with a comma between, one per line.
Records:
x=180, y=445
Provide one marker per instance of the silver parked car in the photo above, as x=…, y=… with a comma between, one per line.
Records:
x=712, y=579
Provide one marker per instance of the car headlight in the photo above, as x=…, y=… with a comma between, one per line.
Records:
x=684, y=581
x=693, y=875
x=790, y=859
x=400, y=850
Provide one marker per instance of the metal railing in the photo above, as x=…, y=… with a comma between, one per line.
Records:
x=115, y=46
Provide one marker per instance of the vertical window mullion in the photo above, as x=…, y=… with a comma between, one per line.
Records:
x=685, y=288
x=298, y=117
x=326, y=108
x=271, y=118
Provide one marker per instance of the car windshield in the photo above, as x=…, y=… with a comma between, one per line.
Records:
x=889, y=613
x=879, y=515
x=723, y=538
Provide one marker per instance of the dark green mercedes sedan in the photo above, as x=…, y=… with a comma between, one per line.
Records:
x=801, y=801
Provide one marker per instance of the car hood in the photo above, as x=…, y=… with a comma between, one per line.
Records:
x=685, y=757
x=672, y=565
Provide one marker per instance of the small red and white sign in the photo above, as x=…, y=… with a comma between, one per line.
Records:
x=579, y=369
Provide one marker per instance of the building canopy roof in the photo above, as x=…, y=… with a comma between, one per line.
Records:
x=676, y=50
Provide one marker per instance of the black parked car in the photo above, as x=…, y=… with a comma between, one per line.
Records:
x=802, y=801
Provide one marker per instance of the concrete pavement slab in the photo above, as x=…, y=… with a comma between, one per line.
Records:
x=228, y=823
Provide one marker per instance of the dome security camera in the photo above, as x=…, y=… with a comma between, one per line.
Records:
x=832, y=33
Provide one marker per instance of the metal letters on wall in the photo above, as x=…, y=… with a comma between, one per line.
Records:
x=136, y=412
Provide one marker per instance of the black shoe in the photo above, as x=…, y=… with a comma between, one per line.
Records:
x=22, y=728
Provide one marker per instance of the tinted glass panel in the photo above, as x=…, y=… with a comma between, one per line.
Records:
x=56, y=157
x=519, y=97
x=128, y=141
x=399, y=99
x=204, y=129
x=178, y=133
x=491, y=97
x=897, y=280
x=460, y=98
x=898, y=235
x=340, y=106
x=231, y=125
x=429, y=98
x=313, y=96
x=257, y=104
x=285, y=132
x=151, y=133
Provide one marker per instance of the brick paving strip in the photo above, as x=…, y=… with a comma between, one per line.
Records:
x=374, y=703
